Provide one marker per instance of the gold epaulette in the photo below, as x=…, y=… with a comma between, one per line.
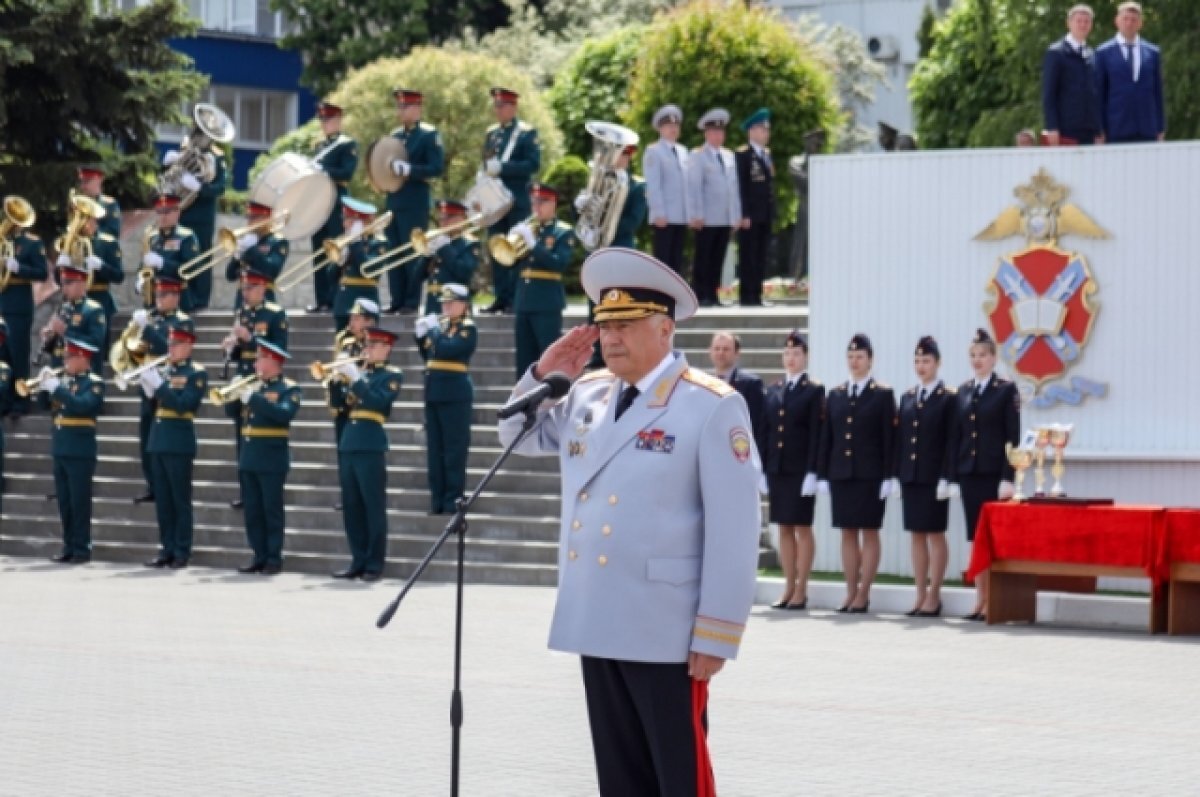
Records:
x=523, y=126
x=103, y=236
x=492, y=127
x=879, y=385
x=428, y=128
x=183, y=232
x=708, y=382
x=273, y=307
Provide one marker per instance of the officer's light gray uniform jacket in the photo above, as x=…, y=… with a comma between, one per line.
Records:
x=666, y=181
x=713, y=193
x=660, y=515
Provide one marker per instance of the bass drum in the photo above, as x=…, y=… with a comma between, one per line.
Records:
x=490, y=198
x=292, y=183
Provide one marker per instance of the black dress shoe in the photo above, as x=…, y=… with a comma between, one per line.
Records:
x=973, y=617
x=61, y=559
x=349, y=573
x=317, y=308
x=237, y=503
x=79, y=560
x=844, y=609
x=253, y=567
x=860, y=609
x=144, y=498
x=798, y=607
x=271, y=570
x=913, y=612
x=371, y=576
x=158, y=561
x=932, y=612
x=780, y=605
x=178, y=564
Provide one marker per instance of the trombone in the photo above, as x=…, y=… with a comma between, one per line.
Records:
x=124, y=379
x=418, y=245
x=224, y=395
x=323, y=372
x=227, y=243
x=331, y=251
x=508, y=249
x=27, y=387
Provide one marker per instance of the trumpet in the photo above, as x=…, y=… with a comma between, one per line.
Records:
x=18, y=215
x=508, y=249
x=27, y=387
x=124, y=379
x=332, y=251
x=224, y=395
x=227, y=244
x=328, y=371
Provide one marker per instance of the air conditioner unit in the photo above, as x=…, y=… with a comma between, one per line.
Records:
x=883, y=48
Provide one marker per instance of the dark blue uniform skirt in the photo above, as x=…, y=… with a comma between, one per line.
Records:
x=856, y=504
x=922, y=510
x=786, y=504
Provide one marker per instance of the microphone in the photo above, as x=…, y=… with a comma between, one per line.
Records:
x=555, y=385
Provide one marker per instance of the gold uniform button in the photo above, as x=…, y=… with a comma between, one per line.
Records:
x=779, y=444
x=914, y=439
x=583, y=496
x=575, y=524
x=606, y=530
x=603, y=560
x=781, y=427
x=781, y=413
x=974, y=434
x=847, y=452
x=914, y=456
x=916, y=423
x=849, y=420
x=972, y=416
x=612, y=499
x=572, y=555
x=847, y=435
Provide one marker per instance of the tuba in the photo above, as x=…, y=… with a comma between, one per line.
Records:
x=213, y=126
x=18, y=215
x=73, y=243
x=607, y=186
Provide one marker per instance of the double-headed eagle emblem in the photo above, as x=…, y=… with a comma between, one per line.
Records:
x=1043, y=215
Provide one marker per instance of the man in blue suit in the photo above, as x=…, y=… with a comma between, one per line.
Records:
x=1129, y=78
x=1070, y=99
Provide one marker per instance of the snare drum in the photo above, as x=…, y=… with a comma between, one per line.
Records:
x=490, y=198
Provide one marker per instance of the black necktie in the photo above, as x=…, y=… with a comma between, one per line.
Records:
x=1129, y=57
x=921, y=398
x=979, y=389
x=626, y=400
x=791, y=384
x=854, y=392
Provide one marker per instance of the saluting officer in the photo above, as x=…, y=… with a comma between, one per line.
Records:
x=27, y=266
x=78, y=317
x=348, y=344
x=455, y=255
x=177, y=391
x=512, y=153
x=201, y=218
x=789, y=442
x=446, y=345
x=171, y=246
x=337, y=156
x=855, y=465
x=665, y=165
x=91, y=185
x=410, y=205
x=256, y=320
x=155, y=327
x=988, y=415
x=362, y=456
x=6, y=375
x=75, y=401
x=925, y=468
x=714, y=204
x=540, y=298
x=352, y=284
x=265, y=457
x=660, y=526
x=266, y=254
x=756, y=184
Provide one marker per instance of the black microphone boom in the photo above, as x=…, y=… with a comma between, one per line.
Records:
x=554, y=386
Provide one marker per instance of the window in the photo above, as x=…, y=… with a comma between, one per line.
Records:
x=252, y=17
x=259, y=116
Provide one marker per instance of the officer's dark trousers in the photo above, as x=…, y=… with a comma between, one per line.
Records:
x=668, y=245
x=263, y=494
x=400, y=232
x=73, y=489
x=535, y=333
x=447, y=441
x=649, y=729
x=711, y=245
x=976, y=490
x=199, y=288
x=363, y=476
x=18, y=350
x=173, y=504
x=324, y=278
x=752, y=260
x=412, y=276
x=145, y=424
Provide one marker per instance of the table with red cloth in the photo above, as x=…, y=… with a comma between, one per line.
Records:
x=1017, y=542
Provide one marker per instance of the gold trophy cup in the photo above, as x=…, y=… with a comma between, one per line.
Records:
x=1020, y=459
x=1041, y=442
x=1060, y=435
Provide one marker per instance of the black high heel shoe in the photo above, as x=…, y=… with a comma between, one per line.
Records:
x=780, y=605
x=844, y=609
x=797, y=607
x=913, y=612
x=974, y=617
x=932, y=613
x=860, y=609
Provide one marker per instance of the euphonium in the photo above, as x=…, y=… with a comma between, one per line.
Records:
x=224, y=395
x=123, y=379
x=227, y=243
x=25, y=387
x=18, y=215
x=607, y=185
x=213, y=126
x=73, y=243
x=330, y=252
x=508, y=249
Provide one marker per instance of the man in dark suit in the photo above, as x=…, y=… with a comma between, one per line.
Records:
x=1129, y=78
x=756, y=184
x=723, y=351
x=1070, y=102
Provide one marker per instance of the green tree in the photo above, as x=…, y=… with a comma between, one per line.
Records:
x=981, y=80
x=76, y=87
x=708, y=54
x=457, y=103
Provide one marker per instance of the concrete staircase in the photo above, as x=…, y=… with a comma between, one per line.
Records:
x=513, y=529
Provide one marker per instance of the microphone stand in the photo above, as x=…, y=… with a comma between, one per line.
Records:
x=457, y=526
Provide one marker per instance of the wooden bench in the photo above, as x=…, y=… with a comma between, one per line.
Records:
x=1183, y=599
x=1013, y=587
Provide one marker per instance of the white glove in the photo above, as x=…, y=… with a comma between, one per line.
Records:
x=153, y=260
x=141, y=318
x=245, y=395
x=93, y=263
x=431, y=319
x=400, y=168
x=582, y=200
x=151, y=380
x=63, y=261
x=350, y=371
x=763, y=487
x=48, y=380
x=356, y=229
x=246, y=241
x=138, y=283
x=526, y=232
x=943, y=490
x=1006, y=491
x=13, y=265
x=189, y=181
x=493, y=167
x=437, y=242
x=885, y=489
x=809, y=487
x=170, y=156
x=955, y=492
x=823, y=487
x=420, y=327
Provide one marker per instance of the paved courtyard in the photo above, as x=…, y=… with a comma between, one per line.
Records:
x=116, y=680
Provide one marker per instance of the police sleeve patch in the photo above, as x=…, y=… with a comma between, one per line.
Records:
x=739, y=444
